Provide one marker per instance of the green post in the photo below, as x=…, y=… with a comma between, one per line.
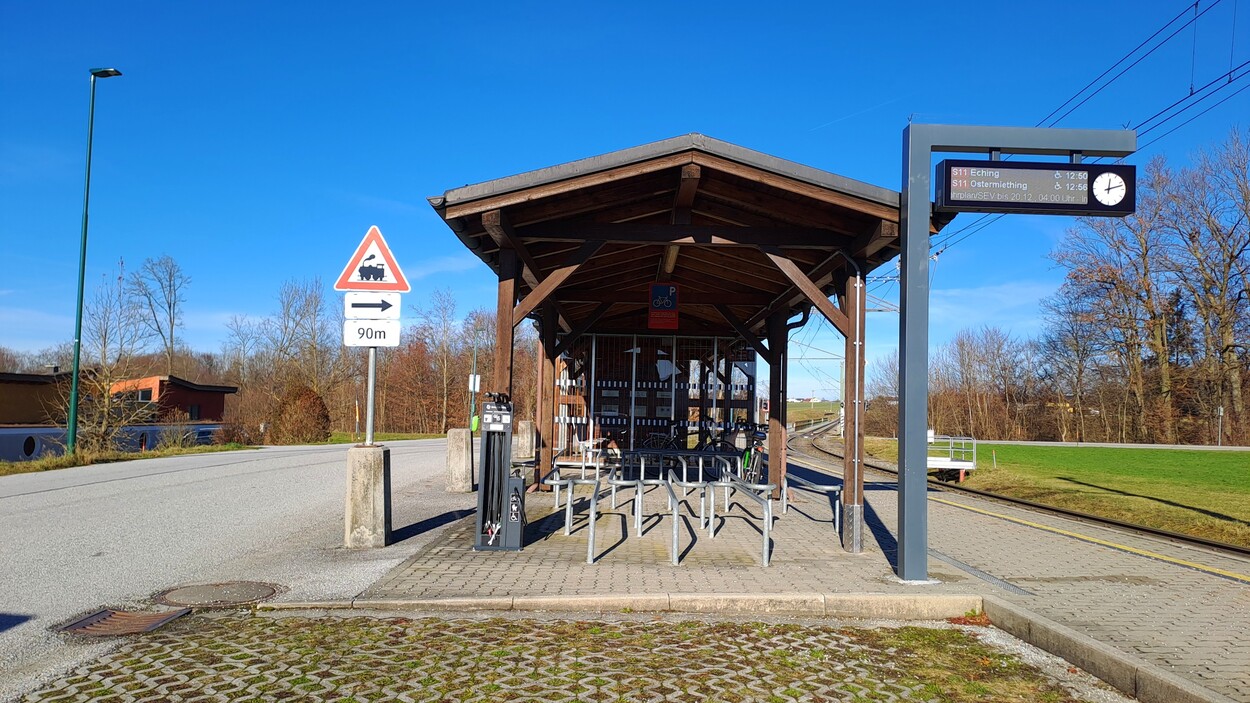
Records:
x=71, y=429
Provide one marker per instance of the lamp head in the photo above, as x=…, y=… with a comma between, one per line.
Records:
x=105, y=72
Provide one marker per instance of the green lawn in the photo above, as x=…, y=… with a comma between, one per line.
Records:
x=1201, y=493
x=349, y=438
x=798, y=412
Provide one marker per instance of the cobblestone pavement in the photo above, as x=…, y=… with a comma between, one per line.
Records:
x=1187, y=622
x=221, y=658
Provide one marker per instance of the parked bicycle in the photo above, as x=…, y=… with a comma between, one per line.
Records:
x=753, y=457
x=673, y=439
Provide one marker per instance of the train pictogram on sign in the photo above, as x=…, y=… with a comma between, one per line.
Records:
x=372, y=267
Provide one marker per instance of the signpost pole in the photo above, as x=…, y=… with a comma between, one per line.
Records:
x=373, y=367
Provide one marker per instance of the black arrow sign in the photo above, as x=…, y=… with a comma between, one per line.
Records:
x=383, y=305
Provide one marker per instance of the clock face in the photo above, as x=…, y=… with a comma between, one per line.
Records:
x=1109, y=188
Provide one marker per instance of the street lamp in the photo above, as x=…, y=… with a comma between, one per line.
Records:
x=72, y=425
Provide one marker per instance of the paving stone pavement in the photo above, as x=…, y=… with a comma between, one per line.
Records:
x=222, y=658
x=1195, y=625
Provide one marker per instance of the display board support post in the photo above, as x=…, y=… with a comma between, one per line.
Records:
x=920, y=141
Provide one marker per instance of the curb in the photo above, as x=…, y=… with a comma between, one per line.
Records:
x=1129, y=674
x=862, y=605
x=1133, y=676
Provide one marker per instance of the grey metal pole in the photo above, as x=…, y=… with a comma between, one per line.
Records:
x=913, y=519
x=920, y=141
x=373, y=368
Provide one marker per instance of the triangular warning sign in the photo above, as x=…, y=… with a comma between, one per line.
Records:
x=372, y=267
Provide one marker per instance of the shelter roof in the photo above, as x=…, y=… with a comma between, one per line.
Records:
x=730, y=226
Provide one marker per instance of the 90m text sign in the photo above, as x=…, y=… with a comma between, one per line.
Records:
x=371, y=333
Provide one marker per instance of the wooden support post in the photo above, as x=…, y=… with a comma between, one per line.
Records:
x=503, y=321
x=545, y=457
x=853, y=414
x=777, y=344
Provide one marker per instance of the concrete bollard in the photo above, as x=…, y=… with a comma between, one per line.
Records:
x=523, y=440
x=367, y=518
x=459, y=461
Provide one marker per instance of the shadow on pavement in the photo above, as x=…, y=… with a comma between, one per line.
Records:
x=8, y=621
x=430, y=523
x=1208, y=513
x=885, y=539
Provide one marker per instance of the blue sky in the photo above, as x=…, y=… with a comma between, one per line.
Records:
x=257, y=142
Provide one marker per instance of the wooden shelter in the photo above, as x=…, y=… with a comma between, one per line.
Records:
x=750, y=241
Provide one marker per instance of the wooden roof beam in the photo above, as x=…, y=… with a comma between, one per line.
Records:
x=703, y=235
x=547, y=190
x=682, y=202
x=568, y=339
x=553, y=280
x=873, y=241
x=743, y=332
x=616, y=295
x=813, y=292
x=500, y=230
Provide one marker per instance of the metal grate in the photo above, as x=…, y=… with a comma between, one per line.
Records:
x=108, y=623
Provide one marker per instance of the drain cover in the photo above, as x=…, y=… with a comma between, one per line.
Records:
x=121, y=622
x=218, y=594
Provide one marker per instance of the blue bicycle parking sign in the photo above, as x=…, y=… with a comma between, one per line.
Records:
x=662, y=313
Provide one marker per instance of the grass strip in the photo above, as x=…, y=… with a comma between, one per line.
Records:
x=1193, y=492
x=65, y=461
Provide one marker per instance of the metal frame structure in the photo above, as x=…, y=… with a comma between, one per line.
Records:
x=920, y=142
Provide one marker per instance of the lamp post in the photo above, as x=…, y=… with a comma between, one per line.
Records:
x=71, y=429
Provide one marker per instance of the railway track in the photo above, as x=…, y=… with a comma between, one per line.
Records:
x=804, y=444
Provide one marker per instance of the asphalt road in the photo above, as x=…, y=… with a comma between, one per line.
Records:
x=114, y=535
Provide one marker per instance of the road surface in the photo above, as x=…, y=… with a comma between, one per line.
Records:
x=114, y=535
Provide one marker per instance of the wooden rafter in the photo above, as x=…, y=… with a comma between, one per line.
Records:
x=746, y=334
x=553, y=280
x=499, y=229
x=702, y=235
x=874, y=240
x=820, y=274
x=568, y=186
x=586, y=323
x=783, y=211
x=682, y=202
x=797, y=187
x=813, y=292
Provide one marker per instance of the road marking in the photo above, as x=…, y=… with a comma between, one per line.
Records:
x=1094, y=540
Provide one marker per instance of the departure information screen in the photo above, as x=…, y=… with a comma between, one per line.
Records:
x=1040, y=188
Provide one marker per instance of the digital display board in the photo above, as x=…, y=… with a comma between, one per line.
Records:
x=1037, y=188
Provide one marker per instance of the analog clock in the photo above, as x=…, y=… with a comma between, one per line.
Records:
x=1109, y=188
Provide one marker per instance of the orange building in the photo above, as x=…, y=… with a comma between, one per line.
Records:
x=170, y=394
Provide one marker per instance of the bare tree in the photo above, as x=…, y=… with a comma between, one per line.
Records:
x=114, y=334
x=1208, y=209
x=159, y=287
x=439, y=330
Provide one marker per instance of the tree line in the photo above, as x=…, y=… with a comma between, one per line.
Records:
x=289, y=365
x=1147, y=340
